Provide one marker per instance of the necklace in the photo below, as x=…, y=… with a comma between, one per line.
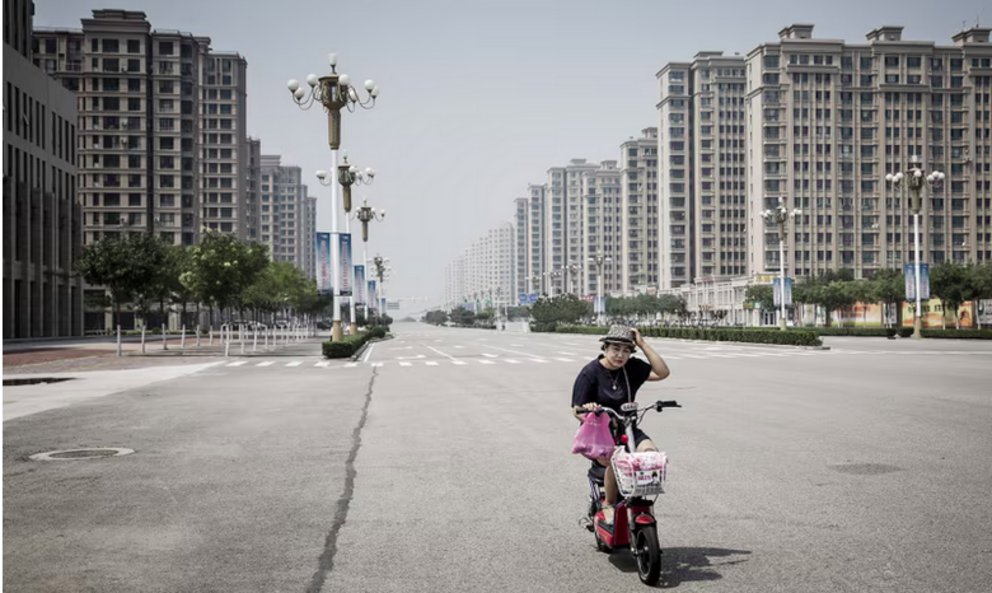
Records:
x=613, y=378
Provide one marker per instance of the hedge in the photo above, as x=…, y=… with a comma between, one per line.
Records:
x=961, y=334
x=346, y=347
x=756, y=336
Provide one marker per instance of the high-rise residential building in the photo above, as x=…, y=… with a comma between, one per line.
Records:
x=701, y=147
x=163, y=144
x=828, y=121
x=639, y=209
x=283, y=217
x=536, y=245
x=675, y=165
x=254, y=181
x=563, y=225
x=522, y=218
x=42, y=219
x=600, y=227
x=485, y=272
x=310, y=237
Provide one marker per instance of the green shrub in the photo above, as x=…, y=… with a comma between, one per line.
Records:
x=542, y=327
x=378, y=332
x=960, y=334
x=346, y=347
x=755, y=336
x=905, y=332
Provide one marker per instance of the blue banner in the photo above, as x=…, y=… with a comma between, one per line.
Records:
x=344, y=251
x=373, y=297
x=324, y=268
x=777, y=288
x=910, y=271
x=526, y=299
x=359, y=285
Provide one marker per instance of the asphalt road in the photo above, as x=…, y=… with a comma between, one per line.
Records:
x=441, y=463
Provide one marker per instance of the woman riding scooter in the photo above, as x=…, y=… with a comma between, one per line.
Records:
x=611, y=381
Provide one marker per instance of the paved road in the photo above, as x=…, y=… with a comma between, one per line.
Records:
x=440, y=463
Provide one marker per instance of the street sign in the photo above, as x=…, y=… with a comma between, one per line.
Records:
x=910, y=271
x=526, y=299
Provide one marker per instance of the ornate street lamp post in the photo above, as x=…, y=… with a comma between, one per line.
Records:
x=599, y=260
x=914, y=180
x=780, y=215
x=365, y=215
x=333, y=91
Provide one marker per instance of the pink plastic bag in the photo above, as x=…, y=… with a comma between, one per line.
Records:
x=594, y=440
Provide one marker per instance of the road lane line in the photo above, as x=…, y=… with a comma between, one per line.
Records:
x=486, y=362
x=565, y=359
x=487, y=355
x=431, y=363
x=295, y=363
x=458, y=362
x=351, y=365
x=368, y=353
x=406, y=364
x=266, y=363
x=376, y=364
x=511, y=361
x=441, y=353
x=237, y=364
x=324, y=364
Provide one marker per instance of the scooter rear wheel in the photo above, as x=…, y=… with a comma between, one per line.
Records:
x=648, y=555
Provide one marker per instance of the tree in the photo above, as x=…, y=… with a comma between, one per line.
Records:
x=888, y=287
x=126, y=266
x=953, y=285
x=562, y=309
x=223, y=267
x=762, y=295
x=835, y=295
x=861, y=292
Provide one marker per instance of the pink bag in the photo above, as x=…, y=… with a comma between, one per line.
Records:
x=594, y=440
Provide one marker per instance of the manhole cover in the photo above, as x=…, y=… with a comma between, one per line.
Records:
x=77, y=454
x=865, y=469
x=34, y=381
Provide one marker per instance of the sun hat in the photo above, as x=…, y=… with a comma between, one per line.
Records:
x=620, y=334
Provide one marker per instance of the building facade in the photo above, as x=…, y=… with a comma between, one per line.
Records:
x=485, y=274
x=640, y=212
x=828, y=120
x=563, y=226
x=42, y=218
x=161, y=118
x=600, y=223
x=283, y=217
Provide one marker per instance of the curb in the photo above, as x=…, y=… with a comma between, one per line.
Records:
x=354, y=357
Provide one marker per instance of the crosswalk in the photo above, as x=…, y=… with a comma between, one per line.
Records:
x=491, y=360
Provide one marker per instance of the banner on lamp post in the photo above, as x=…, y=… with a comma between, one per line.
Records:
x=777, y=289
x=344, y=250
x=910, y=272
x=373, y=297
x=360, y=285
x=324, y=268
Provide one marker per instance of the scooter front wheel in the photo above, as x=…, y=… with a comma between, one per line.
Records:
x=648, y=555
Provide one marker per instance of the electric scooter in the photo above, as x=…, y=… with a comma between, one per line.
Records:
x=639, y=475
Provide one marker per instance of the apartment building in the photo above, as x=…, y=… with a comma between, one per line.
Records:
x=310, y=236
x=600, y=223
x=42, y=219
x=640, y=211
x=522, y=222
x=254, y=184
x=284, y=213
x=536, y=245
x=675, y=233
x=161, y=120
x=486, y=270
x=828, y=120
x=563, y=226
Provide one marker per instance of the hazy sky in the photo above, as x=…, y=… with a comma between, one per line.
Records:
x=481, y=98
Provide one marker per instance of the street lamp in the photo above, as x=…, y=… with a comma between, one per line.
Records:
x=349, y=175
x=382, y=270
x=573, y=271
x=779, y=215
x=366, y=214
x=916, y=180
x=333, y=91
x=551, y=281
x=599, y=260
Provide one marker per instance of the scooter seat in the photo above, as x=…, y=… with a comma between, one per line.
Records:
x=597, y=472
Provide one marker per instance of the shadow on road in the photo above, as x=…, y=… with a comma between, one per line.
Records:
x=679, y=565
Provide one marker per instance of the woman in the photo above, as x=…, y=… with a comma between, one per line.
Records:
x=611, y=381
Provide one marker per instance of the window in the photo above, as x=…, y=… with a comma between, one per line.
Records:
x=892, y=62
x=771, y=61
x=165, y=48
x=133, y=46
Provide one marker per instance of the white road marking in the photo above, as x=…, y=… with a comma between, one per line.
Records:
x=351, y=365
x=431, y=363
x=487, y=355
x=565, y=359
x=568, y=354
x=376, y=364
x=265, y=364
x=458, y=362
x=237, y=364
x=295, y=363
x=511, y=361
x=324, y=364
x=406, y=364
x=486, y=362
x=539, y=360
x=441, y=353
x=368, y=353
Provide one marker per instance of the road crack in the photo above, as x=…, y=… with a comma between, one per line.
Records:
x=326, y=563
